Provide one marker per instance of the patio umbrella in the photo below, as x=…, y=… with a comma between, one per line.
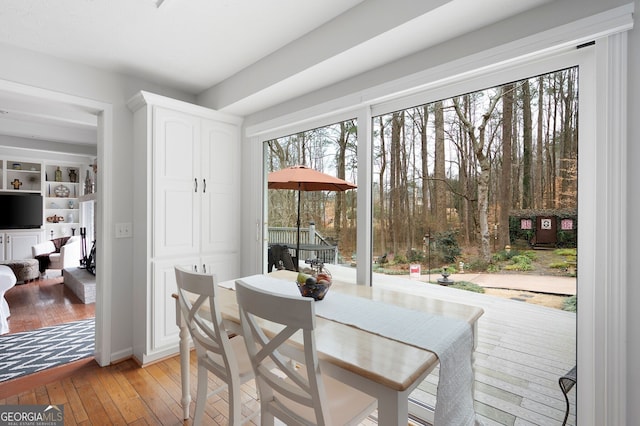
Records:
x=302, y=178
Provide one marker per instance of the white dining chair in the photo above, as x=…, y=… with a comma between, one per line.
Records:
x=292, y=392
x=223, y=356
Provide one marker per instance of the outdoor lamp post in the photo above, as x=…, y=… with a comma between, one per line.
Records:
x=427, y=241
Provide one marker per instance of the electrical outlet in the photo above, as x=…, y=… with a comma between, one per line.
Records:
x=123, y=230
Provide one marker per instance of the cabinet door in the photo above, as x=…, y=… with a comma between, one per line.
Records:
x=220, y=200
x=225, y=266
x=176, y=183
x=162, y=328
x=3, y=239
x=18, y=244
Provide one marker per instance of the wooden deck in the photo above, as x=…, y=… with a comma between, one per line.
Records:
x=522, y=351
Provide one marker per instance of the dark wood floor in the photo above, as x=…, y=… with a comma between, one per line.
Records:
x=44, y=302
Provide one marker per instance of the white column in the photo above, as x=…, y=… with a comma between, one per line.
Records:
x=364, y=245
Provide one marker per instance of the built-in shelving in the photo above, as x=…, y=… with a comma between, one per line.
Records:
x=61, y=183
x=62, y=190
x=20, y=176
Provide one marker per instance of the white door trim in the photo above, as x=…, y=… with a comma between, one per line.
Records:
x=104, y=112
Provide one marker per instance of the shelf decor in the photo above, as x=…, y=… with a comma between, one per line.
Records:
x=16, y=183
x=55, y=219
x=88, y=184
x=61, y=191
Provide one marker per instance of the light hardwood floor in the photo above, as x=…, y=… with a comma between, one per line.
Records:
x=125, y=394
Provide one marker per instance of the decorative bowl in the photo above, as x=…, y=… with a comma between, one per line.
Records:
x=61, y=191
x=313, y=288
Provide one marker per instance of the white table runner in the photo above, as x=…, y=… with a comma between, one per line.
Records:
x=449, y=338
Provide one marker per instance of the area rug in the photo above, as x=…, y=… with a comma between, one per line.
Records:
x=32, y=351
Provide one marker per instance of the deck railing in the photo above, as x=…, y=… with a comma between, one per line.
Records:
x=323, y=249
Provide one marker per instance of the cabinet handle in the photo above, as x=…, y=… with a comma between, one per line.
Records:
x=0, y=239
x=195, y=268
x=196, y=181
x=204, y=186
x=204, y=268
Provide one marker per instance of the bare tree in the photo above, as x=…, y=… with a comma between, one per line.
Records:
x=538, y=180
x=424, y=166
x=568, y=160
x=340, y=169
x=505, y=181
x=527, y=146
x=395, y=181
x=381, y=177
x=440, y=187
x=481, y=149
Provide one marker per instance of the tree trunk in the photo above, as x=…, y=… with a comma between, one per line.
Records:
x=505, y=187
x=383, y=167
x=480, y=145
x=527, y=146
x=425, y=168
x=395, y=183
x=552, y=146
x=440, y=186
x=403, y=175
x=340, y=212
x=538, y=187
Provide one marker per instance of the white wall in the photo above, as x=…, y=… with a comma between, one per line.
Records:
x=41, y=71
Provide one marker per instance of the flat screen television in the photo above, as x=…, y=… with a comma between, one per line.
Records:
x=20, y=211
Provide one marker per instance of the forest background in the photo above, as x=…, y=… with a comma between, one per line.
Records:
x=448, y=175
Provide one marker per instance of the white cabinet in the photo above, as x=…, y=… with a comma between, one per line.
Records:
x=220, y=171
x=16, y=244
x=186, y=209
x=177, y=185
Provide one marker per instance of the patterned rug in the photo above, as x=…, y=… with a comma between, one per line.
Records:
x=32, y=351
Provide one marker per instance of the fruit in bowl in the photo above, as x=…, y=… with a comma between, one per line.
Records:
x=313, y=286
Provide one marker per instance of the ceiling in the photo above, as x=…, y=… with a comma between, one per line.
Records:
x=246, y=54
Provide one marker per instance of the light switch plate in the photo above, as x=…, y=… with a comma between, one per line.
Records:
x=123, y=230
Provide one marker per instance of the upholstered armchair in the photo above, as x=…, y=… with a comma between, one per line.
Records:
x=7, y=280
x=67, y=256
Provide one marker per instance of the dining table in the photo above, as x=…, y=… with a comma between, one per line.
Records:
x=377, y=363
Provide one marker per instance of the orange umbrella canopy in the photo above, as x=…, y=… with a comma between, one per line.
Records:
x=302, y=178
x=305, y=179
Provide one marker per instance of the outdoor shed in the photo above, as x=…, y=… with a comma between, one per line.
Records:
x=544, y=227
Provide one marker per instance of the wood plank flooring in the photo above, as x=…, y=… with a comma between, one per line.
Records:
x=126, y=394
